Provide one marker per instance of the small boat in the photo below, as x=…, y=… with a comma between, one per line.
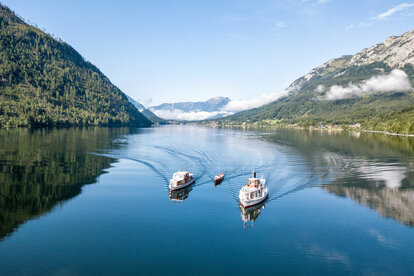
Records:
x=219, y=178
x=254, y=192
x=181, y=179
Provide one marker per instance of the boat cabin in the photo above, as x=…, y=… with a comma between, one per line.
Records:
x=181, y=178
x=254, y=194
x=253, y=183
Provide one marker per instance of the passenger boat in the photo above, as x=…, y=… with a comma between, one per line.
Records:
x=253, y=192
x=218, y=178
x=181, y=179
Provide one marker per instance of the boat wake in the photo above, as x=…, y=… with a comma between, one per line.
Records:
x=286, y=170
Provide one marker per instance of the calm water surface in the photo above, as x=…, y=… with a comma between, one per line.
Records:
x=95, y=201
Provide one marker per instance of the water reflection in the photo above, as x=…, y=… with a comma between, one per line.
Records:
x=180, y=195
x=250, y=214
x=105, y=226
x=392, y=203
x=41, y=168
x=390, y=176
x=375, y=170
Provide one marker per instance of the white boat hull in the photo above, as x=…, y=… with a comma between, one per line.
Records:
x=251, y=202
x=174, y=187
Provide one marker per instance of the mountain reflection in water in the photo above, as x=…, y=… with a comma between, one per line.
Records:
x=316, y=220
x=43, y=167
x=375, y=170
x=389, y=203
x=40, y=168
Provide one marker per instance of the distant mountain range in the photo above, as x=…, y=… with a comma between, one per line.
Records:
x=45, y=82
x=209, y=109
x=146, y=112
x=372, y=87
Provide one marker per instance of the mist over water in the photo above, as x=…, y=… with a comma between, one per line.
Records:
x=337, y=202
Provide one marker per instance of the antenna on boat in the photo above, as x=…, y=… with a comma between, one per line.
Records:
x=254, y=174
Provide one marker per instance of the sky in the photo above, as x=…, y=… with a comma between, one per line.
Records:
x=184, y=50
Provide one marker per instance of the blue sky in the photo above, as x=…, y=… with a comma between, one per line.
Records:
x=186, y=50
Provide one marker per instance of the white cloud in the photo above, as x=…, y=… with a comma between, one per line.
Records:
x=231, y=108
x=393, y=10
x=382, y=239
x=392, y=176
x=316, y=251
x=383, y=16
x=280, y=25
x=177, y=114
x=241, y=105
x=359, y=25
x=320, y=2
x=397, y=80
x=320, y=88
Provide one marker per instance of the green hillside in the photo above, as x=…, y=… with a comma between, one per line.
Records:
x=44, y=81
x=306, y=106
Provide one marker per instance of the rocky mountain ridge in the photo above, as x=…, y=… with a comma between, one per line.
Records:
x=374, y=87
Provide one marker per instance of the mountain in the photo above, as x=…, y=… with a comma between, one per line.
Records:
x=137, y=105
x=153, y=118
x=44, y=81
x=192, y=110
x=373, y=87
x=213, y=104
x=146, y=112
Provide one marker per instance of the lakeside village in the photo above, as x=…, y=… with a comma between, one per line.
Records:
x=276, y=123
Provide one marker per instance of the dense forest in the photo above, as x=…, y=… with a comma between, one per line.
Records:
x=44, y=81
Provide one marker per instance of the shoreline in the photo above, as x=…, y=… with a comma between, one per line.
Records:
x=353, y=129
x=388, y=133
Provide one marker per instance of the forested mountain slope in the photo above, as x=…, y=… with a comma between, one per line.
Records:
x=373, y=87
x=44, y=81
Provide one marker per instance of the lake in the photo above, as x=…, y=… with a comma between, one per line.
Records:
x=95, y=201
